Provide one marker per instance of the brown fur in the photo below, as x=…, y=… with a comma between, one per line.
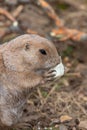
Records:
x=22, y=67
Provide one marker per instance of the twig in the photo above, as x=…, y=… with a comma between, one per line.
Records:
x=14, y=27
x=76, y=74
x=81, y=108
x=51, y=91
x=51, y=13
x=61, y=31
x=7, y=14
x=18, y=10
x=66, y=33
x=40, y=95
x=31, y=31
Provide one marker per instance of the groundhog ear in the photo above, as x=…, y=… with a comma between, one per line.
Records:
x=8, y=60
x=12, y=61
x=27, y=46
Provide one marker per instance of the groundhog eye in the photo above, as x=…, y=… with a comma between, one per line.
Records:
x=42, y=51
x=27, y=46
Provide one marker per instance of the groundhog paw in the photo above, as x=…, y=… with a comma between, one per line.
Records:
x=49, y=76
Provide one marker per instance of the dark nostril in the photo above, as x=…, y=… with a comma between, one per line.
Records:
x=42, y=51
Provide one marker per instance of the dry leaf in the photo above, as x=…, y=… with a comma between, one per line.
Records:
x=65, y=118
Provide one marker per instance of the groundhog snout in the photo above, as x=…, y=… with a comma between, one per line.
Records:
x=53, y=62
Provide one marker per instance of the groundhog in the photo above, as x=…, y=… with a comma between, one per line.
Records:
x=25, y=62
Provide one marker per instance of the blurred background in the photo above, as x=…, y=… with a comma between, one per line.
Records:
x=64, y=22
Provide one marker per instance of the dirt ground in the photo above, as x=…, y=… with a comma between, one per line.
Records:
x=62, y=104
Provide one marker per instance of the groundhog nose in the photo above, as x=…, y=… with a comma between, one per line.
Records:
x=58, y=61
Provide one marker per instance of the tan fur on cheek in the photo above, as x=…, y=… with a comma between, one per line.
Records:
x=12, y=61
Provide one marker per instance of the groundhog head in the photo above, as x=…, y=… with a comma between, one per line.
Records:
x=29, y=52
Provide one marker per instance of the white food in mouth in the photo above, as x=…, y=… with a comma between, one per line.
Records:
x=59, y=70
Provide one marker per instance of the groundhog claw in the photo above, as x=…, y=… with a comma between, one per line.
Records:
x=49, y=76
